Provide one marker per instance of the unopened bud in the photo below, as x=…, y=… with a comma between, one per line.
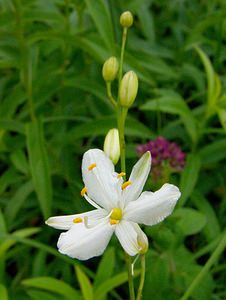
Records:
x=128, y=89
x=142, y=243
x=110, y=69
x=126, y=19
x=111, y=145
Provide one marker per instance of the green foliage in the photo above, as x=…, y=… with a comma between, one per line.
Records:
x=53, y=107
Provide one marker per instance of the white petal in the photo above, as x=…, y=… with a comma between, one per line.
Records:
x=102, y=184
x=83, y=243
x=66, y=222
x=138, y=178
x=152, y=208
x=128, y=234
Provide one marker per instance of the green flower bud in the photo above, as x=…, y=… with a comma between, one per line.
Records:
x=110, y=69
x=111, y=145
x=128, y=89
x=126, y=19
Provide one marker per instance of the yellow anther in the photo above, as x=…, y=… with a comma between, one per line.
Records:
x=121, y=174
x=125, y=184
x=92, y=166
x=77, y=220
x=114, y=222
x=83, y=191
x=116, y=214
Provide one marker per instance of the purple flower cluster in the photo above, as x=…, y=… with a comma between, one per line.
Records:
x=164, y=152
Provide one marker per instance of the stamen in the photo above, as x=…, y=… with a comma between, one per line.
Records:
x=77, y=220
x=91, y=201
x=125, y=184
x=114, y=222
x=91, y=167
x=121, y=174
x=84, y=191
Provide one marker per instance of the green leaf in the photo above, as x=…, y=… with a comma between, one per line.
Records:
x=213, y=152
x=39, y=166
x=37, y=295
x=106, y=267
x=210, y=74
x=189, y=220
x=189, y=177
x=10, y=241
x=85, y=285
x=19, y=160
x=222, y=117
x=111, y=283
x=2, y=222
x=102, y=19
x=12, y=125
x=170, y=102
x=52, y=285
x=3, y=292
x=7, y=178
x=212, y=228
x=15, y=203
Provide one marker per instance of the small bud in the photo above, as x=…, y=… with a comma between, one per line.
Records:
x=110, y=69
x=111, y=145
x=142, y=243
x=128, y=89
x=126, y=19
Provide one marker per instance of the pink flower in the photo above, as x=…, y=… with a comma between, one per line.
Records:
x=164, y=153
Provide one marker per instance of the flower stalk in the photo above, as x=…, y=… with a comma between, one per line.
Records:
x=142, y=277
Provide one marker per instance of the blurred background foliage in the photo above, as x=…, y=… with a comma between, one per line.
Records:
x=53, y=107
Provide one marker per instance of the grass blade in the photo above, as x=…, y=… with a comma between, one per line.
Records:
x=39, y=166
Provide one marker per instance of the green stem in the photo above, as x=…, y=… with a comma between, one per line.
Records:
x=142, y=278
x=124, y=36
x=121, y=118
x=109, y=94
x=130, y=276
x=205, y=269
x=122, y=112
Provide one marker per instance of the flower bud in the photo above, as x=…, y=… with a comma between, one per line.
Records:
x=126, y=19
x=128, y=89
x=110, y=69
x=142, y=242
x=111, y=145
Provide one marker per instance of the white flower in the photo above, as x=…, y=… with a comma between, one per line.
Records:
x=118, y=208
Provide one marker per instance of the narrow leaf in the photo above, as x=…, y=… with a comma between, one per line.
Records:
x=172, y=103
x=102, y=19
x=189, y=177
x=85, y=285
x=53, y=285
x=3, y=292
x=106, y=266
x=39, y=166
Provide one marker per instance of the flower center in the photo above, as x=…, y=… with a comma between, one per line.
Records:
x=116, y=216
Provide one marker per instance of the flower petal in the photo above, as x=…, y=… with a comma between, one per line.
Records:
x=129, y=235
x=138, y=178
x=151, y=208
x=102, y=184
x=83, y=243
x=66, y=222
